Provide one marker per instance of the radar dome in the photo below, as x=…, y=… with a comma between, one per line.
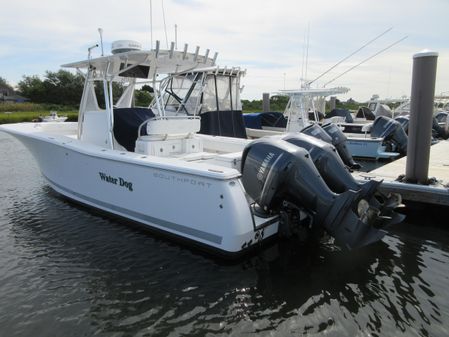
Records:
x=123, y=46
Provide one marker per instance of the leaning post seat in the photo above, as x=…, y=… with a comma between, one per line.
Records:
x=169, y=135
x=126, y=125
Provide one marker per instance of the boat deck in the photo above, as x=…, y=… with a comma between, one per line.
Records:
x=436, y=193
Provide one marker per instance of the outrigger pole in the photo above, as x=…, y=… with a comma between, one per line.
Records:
x=365, y=60
x=353, y=53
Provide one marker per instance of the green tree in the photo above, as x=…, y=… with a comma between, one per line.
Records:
x=148, y=88
x=32, y=88
x=142, y=98
x=117, y=91
x=61, y=87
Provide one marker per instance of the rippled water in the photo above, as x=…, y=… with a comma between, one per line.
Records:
x=68, y=271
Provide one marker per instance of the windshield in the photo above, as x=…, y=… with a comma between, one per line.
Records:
x=182, y=93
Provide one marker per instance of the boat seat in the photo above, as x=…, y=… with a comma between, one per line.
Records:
x=171, y=127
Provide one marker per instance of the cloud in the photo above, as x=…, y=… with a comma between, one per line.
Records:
x=266, y=37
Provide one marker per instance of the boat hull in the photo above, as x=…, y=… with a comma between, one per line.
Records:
x=369, y=148
x=211, y=211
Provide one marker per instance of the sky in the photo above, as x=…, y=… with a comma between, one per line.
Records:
x=267, y=38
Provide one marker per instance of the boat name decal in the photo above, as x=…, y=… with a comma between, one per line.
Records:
x=119, y=181
x=264, y=165
x=182, y=180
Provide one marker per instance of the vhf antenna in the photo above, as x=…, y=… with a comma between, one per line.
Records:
x=100, y=31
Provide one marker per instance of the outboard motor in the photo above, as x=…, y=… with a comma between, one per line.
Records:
x=438, y=131
x=339, y=141
x=441, y=116
x=404, y=120
x=319, y=132
x=391, y=131
x=327, y=161
x=282, y=179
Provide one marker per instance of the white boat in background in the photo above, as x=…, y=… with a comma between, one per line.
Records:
x=306, y=102
x=151, y=166
x=53, y=117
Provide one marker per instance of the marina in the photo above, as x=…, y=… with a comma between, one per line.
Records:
x=147, y=191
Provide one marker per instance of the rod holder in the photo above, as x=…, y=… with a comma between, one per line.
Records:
x=215, y=58
x=184, y=53
x=172, y=48
x=421, y=115
x=197, y=50
x=206, y=55
x=158, y=44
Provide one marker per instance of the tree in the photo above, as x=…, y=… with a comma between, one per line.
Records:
x=142, y=97
x=148, y=88
x=32, y=88
x=61, y=87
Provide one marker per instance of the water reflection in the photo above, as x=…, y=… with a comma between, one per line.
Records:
x=117, y=279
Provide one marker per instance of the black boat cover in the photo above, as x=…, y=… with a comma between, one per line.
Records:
x=126, y=125
x=258, y=119
x=223, y=123
x=341, y=113
x=366, y=113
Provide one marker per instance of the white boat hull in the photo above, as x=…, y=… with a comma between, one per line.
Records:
x=362, y=147
x=209, y=208
x=368, y=148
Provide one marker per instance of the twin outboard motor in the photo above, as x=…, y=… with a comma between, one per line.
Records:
x=331, y=133
x=392, y=133
x=284, y=179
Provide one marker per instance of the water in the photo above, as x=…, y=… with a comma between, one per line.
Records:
x=68, y=271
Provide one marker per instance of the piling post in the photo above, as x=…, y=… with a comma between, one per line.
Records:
x=332, y=103
x=421, y=115
x=266, y=102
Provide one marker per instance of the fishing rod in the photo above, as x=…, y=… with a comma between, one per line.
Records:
x=353, y=53
x=365, y=60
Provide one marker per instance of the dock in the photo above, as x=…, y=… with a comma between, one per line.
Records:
x=436, y=193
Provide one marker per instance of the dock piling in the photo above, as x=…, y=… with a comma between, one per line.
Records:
x=266, y=102
x=421, y=114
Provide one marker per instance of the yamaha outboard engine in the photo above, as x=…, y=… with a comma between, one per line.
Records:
x=335, y=137
x=340, y=180
x=282, y=179
x=391, y=131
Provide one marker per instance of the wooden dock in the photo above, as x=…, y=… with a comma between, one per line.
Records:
x=436, y=193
